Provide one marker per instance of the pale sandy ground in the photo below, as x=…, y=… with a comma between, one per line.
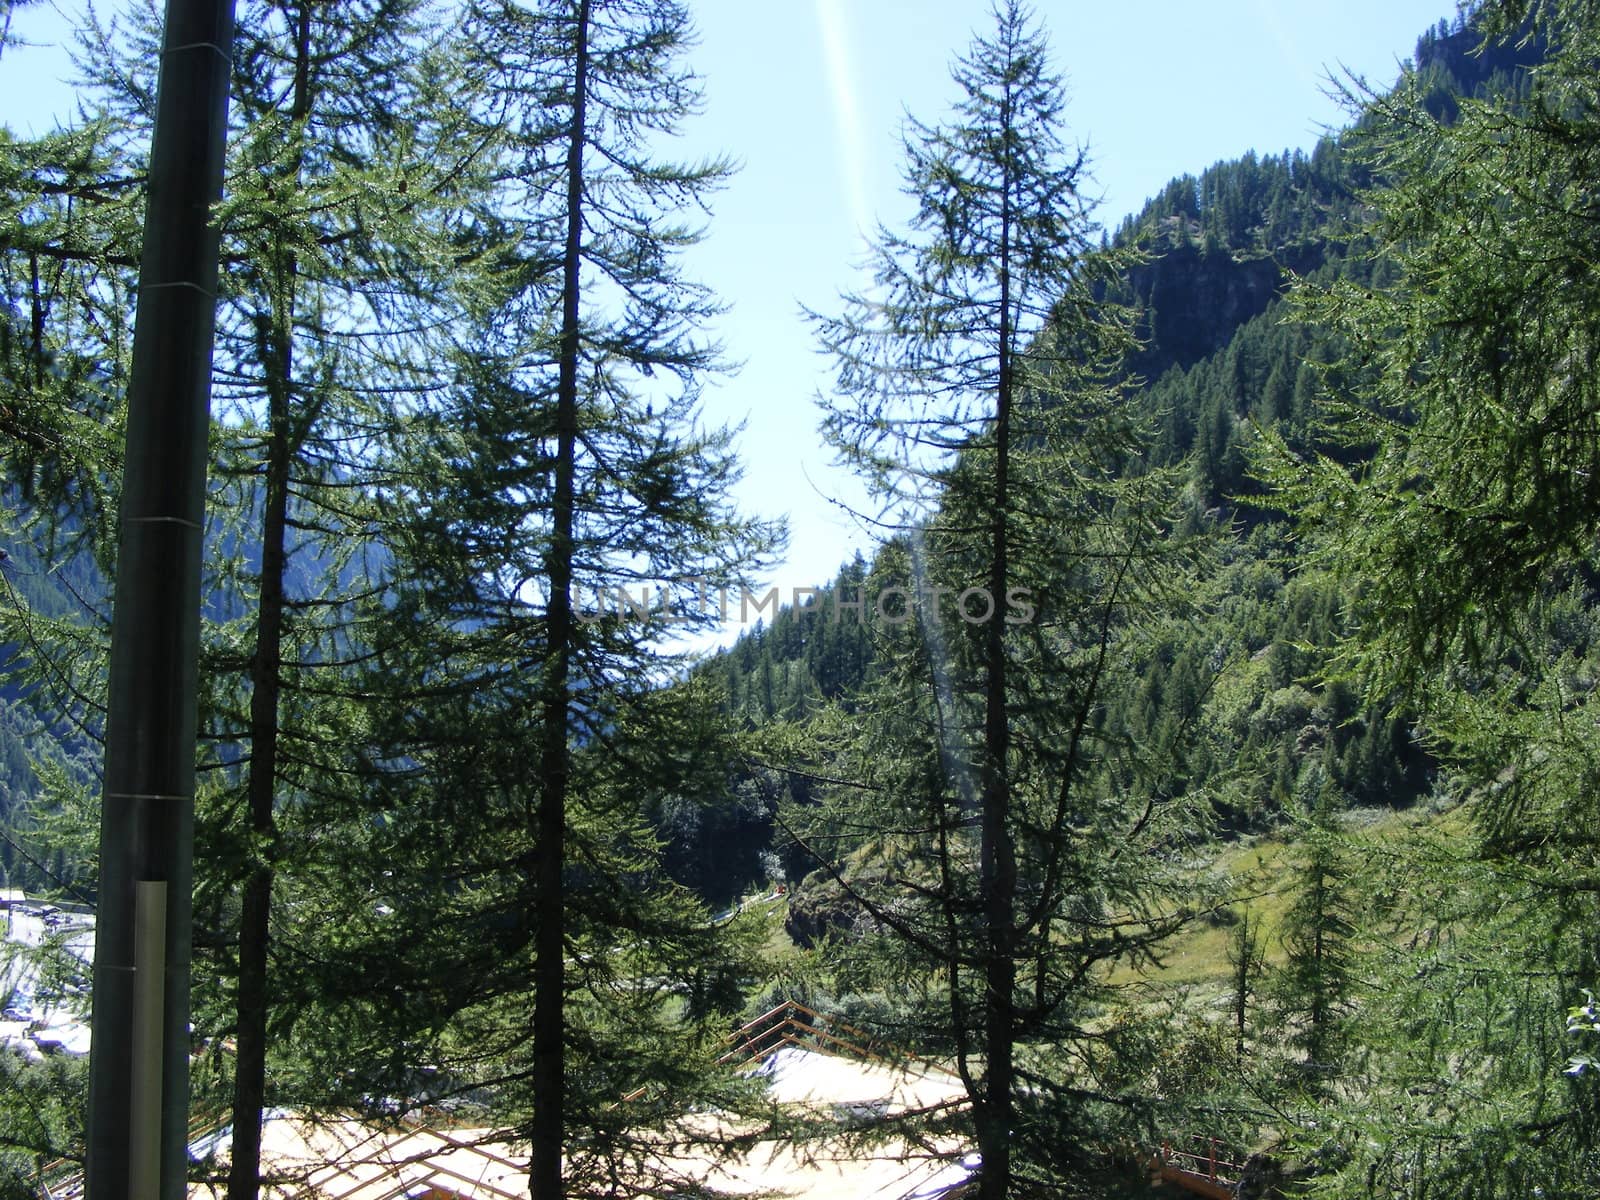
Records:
x=347, y=1160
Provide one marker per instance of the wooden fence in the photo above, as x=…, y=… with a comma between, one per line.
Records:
x=1204, y=1168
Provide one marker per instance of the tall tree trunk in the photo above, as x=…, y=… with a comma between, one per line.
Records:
x=999, y=861
x=249, y=1086
x=251, y=1005
x=549, y=1017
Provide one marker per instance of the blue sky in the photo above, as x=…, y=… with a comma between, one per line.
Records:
x=810, y=95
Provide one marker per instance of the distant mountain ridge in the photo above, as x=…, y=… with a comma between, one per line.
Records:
x=1219, y=355
x=54, y=574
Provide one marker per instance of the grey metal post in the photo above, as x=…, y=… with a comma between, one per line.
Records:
x=139, y=1055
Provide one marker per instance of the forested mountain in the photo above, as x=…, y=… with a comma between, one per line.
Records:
x=1221, y=354
x=1250, y=701
x=1265, y=518
x=1366, y=628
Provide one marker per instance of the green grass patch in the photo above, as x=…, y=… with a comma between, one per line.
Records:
x=1261, y=875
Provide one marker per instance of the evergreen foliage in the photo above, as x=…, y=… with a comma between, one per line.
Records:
x=1471, y=527
x=459, y=374
x=561, y=460
x=978, y=834
x=1245, y=957
x=1314, y=987
x=41, y=1121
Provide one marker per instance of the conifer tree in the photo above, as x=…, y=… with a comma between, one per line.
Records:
x=1469, y=389
x=565, y=473
x=339, y=197
x=1314, y=985
x=550, y=455
x=1244, y=956
x=347, y=193
x=974, y=392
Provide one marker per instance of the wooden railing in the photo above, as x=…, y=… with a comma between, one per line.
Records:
x=1206, y=1169
x=794, y=1024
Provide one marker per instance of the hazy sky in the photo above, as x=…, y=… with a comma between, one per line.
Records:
x=810, y=95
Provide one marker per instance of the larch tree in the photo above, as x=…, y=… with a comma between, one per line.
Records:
x=977, y=391
x=358, y=163
x=1244, y=961
x=344, y=170
x=434, y=472
x=1469, y=518
x=1314, y=986
x=566, y=464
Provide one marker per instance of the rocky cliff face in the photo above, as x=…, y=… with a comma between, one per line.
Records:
x=1196, y=297
x=819, y=907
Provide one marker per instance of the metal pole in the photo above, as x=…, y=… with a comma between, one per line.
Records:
x=139, y=1055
